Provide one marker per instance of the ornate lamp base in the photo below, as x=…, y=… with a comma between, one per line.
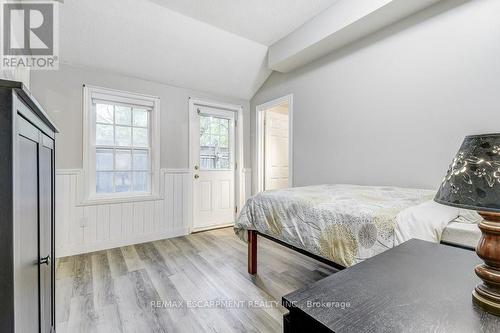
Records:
x=487, y=294
x=486, y=303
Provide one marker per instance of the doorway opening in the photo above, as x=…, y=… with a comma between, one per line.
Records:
x=274, y=144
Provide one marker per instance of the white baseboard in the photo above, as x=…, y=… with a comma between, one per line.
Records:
x=212, y=227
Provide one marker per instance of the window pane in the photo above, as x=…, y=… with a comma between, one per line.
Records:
x=141, y=181
x=140, y=117
x=123, y=136
x=224, y=126
x=214, y=125
x=104, y=113
x=223, y=159
x=123, y=115
x=140, y=137
x=205, y=138
x=141, y=160
x=104, y=159
x=214, y=143
x=104, y=135
x=204, y=123
x=104, y=182
x=224, y=140
x=123, y=159
x=122, y=182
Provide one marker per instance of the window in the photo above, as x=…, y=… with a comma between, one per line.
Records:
x=121, y=138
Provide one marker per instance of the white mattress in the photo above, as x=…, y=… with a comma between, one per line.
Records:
x=464, y=234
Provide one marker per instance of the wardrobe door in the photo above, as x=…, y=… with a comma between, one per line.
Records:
x=26, y=291
x=45, y=169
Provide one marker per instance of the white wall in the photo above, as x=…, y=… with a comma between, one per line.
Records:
x=60, y=93
x=393, y=108
x=83, y=228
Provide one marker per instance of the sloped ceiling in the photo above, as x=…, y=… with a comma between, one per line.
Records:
x=217, y=46
x=263, y=21
x=139, y=38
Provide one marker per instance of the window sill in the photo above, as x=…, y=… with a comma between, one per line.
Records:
x=118, y=199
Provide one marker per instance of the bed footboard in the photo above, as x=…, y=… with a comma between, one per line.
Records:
x=252, y=252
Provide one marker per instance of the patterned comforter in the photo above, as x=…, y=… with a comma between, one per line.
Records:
x=343, y=223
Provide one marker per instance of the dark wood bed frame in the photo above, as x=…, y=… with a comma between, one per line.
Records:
x=252, y=251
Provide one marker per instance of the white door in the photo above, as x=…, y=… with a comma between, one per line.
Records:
x=276, y=150
x=214, y=170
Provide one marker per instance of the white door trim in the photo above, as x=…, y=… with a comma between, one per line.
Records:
x=239, y=174
x=259, y=144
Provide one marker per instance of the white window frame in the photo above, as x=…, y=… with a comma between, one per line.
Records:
x=89, y=147
x=259, y=140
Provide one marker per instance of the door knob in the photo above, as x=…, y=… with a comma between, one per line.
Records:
x=45, y=260
x=196, y=167
x=196, y=176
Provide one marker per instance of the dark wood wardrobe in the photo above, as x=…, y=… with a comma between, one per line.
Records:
x=27, y=147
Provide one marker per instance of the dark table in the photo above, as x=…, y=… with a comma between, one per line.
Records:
x=415, y=287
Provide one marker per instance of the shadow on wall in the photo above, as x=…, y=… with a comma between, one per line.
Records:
x=422, y=16
x=392, y=73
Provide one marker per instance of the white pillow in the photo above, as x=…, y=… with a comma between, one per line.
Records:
x=425, y=221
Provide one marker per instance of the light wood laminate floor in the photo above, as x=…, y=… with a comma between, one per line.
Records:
x=196, y=283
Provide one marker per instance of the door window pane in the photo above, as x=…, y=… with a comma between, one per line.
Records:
x=104, y=159
x=104, y=135
x=205, y=138
x=123, y=136
x=214, y=142
x=224, y=140
x=214, y=125
x=104, y=182
x=223, y=162
x=123, y=159
x=122, y=182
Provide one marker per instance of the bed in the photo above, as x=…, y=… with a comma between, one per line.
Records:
x=342, y=224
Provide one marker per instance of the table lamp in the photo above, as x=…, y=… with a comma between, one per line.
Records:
x=473, y=182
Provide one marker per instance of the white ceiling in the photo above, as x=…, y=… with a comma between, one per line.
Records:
x=144, y=39
x=263, y=21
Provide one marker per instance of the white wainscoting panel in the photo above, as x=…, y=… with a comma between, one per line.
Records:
x=83, y=228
